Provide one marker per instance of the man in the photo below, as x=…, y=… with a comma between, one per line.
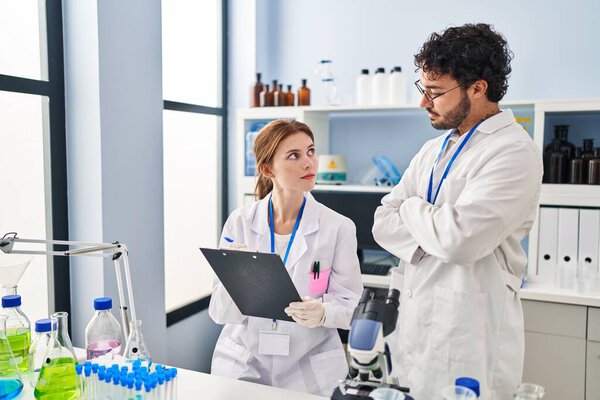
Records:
x=456, y=220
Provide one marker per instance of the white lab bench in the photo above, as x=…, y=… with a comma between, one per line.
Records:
x=198, y=385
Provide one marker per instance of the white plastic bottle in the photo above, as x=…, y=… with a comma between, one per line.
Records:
x=363, y=88
x=103, y=333
x=379, y=87
x=397, y=87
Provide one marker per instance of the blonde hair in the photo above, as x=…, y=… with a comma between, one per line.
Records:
x=266, y=144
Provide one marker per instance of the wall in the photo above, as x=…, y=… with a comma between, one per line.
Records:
x=554, y=42
x=114, y=139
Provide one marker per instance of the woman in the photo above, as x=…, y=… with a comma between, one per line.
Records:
x=307, y=355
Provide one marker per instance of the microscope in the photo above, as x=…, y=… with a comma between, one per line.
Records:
x=371, y=363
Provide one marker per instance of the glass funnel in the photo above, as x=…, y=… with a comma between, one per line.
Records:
x=58, y=379
x=136, y=346
x=61, y=319
x=11, y=384
x=12, y=268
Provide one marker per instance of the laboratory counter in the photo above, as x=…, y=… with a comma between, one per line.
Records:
x=531, y=291
x=198, y=385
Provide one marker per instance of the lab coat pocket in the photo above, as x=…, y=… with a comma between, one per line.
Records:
x=329, y=367
x=454, y=189
x=458, y=325
x=318, y=284
x=230, y=359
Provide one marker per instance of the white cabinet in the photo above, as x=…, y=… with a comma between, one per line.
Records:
x=555, y=348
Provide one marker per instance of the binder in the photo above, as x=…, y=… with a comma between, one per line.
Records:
x=589, y=236
x=568, y=246
x=547, y=243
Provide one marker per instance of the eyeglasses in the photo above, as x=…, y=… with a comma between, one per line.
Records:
x=428, y=96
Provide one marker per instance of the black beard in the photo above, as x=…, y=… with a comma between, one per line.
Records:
x=455, y=117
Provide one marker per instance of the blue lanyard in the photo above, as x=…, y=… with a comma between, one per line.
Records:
x=272, y=228
x=437, y=159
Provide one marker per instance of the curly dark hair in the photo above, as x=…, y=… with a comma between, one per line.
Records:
x=469, y=53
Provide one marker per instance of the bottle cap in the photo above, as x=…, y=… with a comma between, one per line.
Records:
x=13, y=300
x=469, y=383
x=397, y=69
x=43, y=325
x=303, y=82
x=364, y=71
x=102, y=303
x=380, y=70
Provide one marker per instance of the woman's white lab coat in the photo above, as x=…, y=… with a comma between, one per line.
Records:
x=316, y=359
x=460, y=311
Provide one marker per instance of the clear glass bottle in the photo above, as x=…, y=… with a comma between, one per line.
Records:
x=58, y=379
x=11, y=384
x=103, y=332
x=576, y=172
x=304, y=94
x=62, y=331
x=18, y=330
x=529, y=391
x=594, y=168
x=39, y=346
x=136, y=345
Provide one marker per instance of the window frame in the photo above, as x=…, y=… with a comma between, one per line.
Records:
x=197, y=306
x=54, y=90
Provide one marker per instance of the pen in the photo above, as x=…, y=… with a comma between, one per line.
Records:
x=314, y=270
x=318, y=269
x=228, y=239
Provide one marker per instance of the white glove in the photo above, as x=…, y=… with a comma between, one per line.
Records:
x=310, y=312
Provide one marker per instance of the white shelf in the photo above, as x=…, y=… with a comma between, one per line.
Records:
x=354, y=188
x=570, y=195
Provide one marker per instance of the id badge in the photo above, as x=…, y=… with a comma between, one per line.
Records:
x=274, y=343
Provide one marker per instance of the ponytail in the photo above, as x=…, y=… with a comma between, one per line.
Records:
x=263, y=187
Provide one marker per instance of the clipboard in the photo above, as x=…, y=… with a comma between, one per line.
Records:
x=258, y=283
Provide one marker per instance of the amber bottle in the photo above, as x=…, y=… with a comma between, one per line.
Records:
x=304, y=94
x=266, y=97
x=289, y=97
x=279, y=96
x=255, y=90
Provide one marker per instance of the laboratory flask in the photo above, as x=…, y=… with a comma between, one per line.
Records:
x=11, y=384
x=18, y=330
x=62, y=331
x=57, y=378
x=39, y=346
x=136, y=346
x=529, y=391
x=458, y=393
x=103, y=332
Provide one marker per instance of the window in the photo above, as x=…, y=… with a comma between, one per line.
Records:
x=32, y=145
x=194, y=147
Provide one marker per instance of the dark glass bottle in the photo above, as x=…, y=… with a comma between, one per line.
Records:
x=290, y=98
x=558, y=162
x=255, y=90
x=587, y=153
x=304, y=94
x=266, y=97
x=279, y=96
x=576, y=172
x=594, y=168
x=273, y=90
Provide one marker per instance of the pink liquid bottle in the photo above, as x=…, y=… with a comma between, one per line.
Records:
x=103, y=333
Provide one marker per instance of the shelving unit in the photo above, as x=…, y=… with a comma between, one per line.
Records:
x=533, y=116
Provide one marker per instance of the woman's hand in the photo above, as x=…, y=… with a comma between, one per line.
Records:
x=310, y=312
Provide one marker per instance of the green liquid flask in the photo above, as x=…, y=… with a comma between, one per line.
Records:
x=58, y=379
x=11, y=384
x=18, y=330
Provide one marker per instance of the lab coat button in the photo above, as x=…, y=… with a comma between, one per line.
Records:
x=409, y=293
